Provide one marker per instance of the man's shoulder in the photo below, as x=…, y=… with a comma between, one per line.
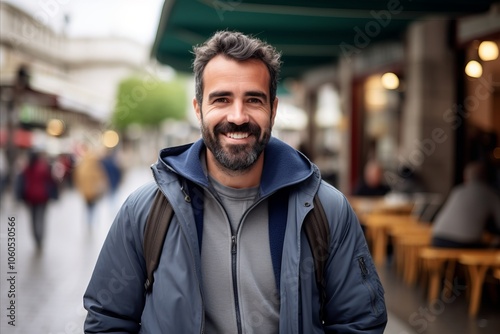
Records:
x=142, y=197
x=329, y=192
x=333, y=200
x=478, y=189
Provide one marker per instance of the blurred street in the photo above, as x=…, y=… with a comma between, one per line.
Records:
x=49, y=286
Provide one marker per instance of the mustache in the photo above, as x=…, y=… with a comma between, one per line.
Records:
x=226, y=127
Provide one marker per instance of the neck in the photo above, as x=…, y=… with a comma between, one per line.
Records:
x=248, y=178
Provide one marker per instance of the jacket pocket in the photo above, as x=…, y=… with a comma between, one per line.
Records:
x=372, y=283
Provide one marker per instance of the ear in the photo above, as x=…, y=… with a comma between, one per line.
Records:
x=274, y=111
x=197, y=109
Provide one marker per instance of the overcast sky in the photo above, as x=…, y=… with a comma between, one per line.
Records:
x=136, y=19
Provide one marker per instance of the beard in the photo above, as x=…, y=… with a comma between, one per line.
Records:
x=235, y=157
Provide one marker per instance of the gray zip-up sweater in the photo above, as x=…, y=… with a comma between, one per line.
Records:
x=116, y=300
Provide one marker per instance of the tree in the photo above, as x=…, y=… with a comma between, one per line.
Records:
x=148, y=102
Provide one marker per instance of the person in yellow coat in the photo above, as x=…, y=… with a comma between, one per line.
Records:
x=90, y=179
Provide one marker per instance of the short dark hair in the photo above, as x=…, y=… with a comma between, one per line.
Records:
x=240, y=47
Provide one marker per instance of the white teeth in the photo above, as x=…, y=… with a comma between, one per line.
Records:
x=237, y=135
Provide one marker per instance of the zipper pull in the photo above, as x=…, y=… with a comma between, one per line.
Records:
x=233, y=244
x=187, y=198
x=362, y=266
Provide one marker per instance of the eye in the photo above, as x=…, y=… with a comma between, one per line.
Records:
x=254, y=100
x=221, y=100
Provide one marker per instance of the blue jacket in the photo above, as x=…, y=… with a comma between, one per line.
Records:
x=116, y=300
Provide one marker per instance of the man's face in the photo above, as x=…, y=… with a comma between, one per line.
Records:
x=236, y=116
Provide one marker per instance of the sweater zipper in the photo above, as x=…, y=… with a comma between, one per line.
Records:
x=234, y=261
x=235, y=283
x=233, y=265
x=234, y=275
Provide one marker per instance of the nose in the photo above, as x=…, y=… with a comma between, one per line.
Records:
x=237, y=114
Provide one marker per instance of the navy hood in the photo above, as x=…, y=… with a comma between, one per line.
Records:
x=283, y=165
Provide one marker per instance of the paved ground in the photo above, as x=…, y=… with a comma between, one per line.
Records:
x=49, y=286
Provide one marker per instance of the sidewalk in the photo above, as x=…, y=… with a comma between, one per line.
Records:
x=48, y=287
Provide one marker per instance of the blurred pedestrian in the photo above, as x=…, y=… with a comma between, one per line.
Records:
x=371, y=184
x=113, y=172
x=4, y=172
x=89, y=178
x=37, y=188
x=464, y=217
x=63, y=168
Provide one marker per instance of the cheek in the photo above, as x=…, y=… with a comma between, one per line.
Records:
x=266, y=122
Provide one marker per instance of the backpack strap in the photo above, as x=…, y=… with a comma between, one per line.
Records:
x=318, y=235
x=157, y=224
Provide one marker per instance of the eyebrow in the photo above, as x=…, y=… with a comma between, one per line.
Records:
x=260, y=94
x=219, y=93
x=222, y=93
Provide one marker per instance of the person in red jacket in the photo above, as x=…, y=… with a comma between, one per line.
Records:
x=38, y=184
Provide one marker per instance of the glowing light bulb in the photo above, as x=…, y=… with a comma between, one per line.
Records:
x=110, y=138
x=390, y=80
x=474, y=69
x=55, y=127
x=488, y=50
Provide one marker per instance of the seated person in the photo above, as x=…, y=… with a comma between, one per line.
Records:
x=371, y=183
x=464, y=216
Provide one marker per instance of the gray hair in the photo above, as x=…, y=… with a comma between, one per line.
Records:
x=240, y=47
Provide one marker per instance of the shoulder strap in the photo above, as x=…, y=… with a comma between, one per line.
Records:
x=318, y=235
x=157, y=223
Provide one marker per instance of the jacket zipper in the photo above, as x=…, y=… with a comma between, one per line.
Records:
x=188, y=200
x=367, y=283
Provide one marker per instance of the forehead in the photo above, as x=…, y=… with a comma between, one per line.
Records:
x=229, y=74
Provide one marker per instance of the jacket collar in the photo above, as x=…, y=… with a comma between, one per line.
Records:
x=283, y=165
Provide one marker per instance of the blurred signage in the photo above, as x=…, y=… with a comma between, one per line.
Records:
x=21, y=138
x=32, y=114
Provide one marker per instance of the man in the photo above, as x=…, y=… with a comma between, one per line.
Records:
x=464, y=217
x=371, y=183
x=235, y=259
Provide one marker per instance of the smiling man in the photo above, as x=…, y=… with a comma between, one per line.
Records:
x=236, y=258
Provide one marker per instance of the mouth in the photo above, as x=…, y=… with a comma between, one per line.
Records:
x=237, y=135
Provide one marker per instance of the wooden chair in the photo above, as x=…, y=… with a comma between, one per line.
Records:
x=406, y=252
x=496, y=273
x=440, y=263
x=477, y=266
x=403, y=236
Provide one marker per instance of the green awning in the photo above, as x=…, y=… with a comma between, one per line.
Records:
x=308, y=33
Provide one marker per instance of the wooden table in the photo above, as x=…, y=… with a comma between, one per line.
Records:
x=379, y=204
x=377, y=226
